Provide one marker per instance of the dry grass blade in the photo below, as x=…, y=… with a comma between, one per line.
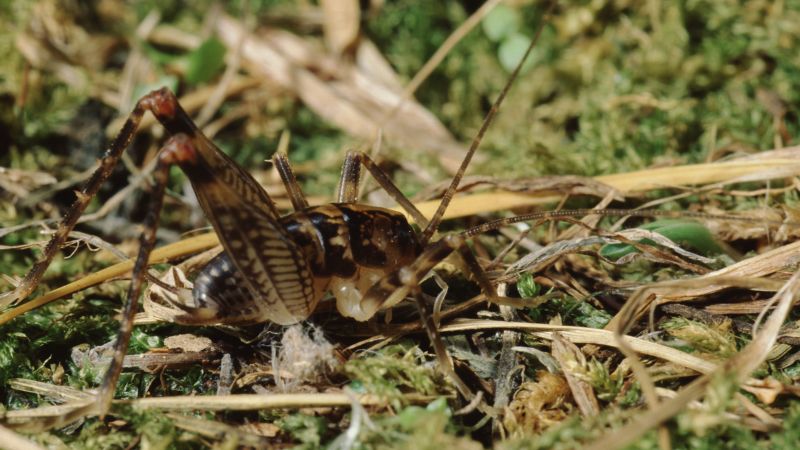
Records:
x=625, y=183
x=583, y=335
x=12, y=441
x=252, y=402
x=341, y=24
x=740, y=366
x=535, y=261
x=55, y=392
x=220, y=431
x=758, y=266
x=50, y=416
x=154, y=362
x=748, y=273
x=342, y=94
x=572, y=362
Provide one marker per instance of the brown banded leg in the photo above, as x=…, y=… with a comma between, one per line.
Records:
x=107, y=164
x=474, y=268
x=173, y=150
x=351, y=177
x=443, y=359
x=395, y=286
x=349, y=181
x=392, y=288
x=290, y=183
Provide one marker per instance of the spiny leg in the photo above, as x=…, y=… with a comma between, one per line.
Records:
x=351, y=177
x=281, y=163
x=392, y=288
x=167, y=157
x=443, y=359
x=84, y=196
x=395, y=286
x=476, y=270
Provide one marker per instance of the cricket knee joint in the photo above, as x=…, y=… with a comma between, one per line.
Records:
x=179, y=149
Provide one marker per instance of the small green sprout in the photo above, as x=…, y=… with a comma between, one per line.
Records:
x=683, y=232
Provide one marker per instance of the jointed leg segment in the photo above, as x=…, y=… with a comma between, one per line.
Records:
x=351, y=177
x=165, y=107
x=107, y=164
x=281, y=163
x=177, y=145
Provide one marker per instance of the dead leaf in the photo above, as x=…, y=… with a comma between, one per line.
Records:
x=341, y=24
x=188, y=343
x=573, y=365
x=537, y=406
x=340, y=92
x=261, y=428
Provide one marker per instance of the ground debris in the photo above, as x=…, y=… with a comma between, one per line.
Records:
x=303, y=356
x=538, y=405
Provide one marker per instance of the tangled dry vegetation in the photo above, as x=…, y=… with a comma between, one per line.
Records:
x=678, y=106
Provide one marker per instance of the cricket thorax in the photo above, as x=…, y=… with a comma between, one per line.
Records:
x=351, y=247
x=340, y=238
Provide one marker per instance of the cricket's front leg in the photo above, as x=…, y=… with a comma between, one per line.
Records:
x=397, y=285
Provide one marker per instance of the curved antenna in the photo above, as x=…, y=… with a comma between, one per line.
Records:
x=433, y=225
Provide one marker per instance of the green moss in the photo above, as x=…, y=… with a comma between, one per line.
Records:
x=715, y=340
x=572, y=312
x=96, y=435
x=32, y=342
x=416, y=427
x=393, y=370
x=306, y=429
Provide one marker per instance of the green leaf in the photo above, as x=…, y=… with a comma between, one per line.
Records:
x=502, y=21
x=685, y=233
x=572, y=311
x=205, y=62
x=527, y=287
x=511, y=51
x=161, y=58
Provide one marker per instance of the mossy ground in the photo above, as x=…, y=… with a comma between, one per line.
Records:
x=614, y=86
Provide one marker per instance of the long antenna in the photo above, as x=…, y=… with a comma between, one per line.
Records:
x=433, y=225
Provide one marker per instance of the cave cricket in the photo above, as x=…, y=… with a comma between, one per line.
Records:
x=277, y=268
